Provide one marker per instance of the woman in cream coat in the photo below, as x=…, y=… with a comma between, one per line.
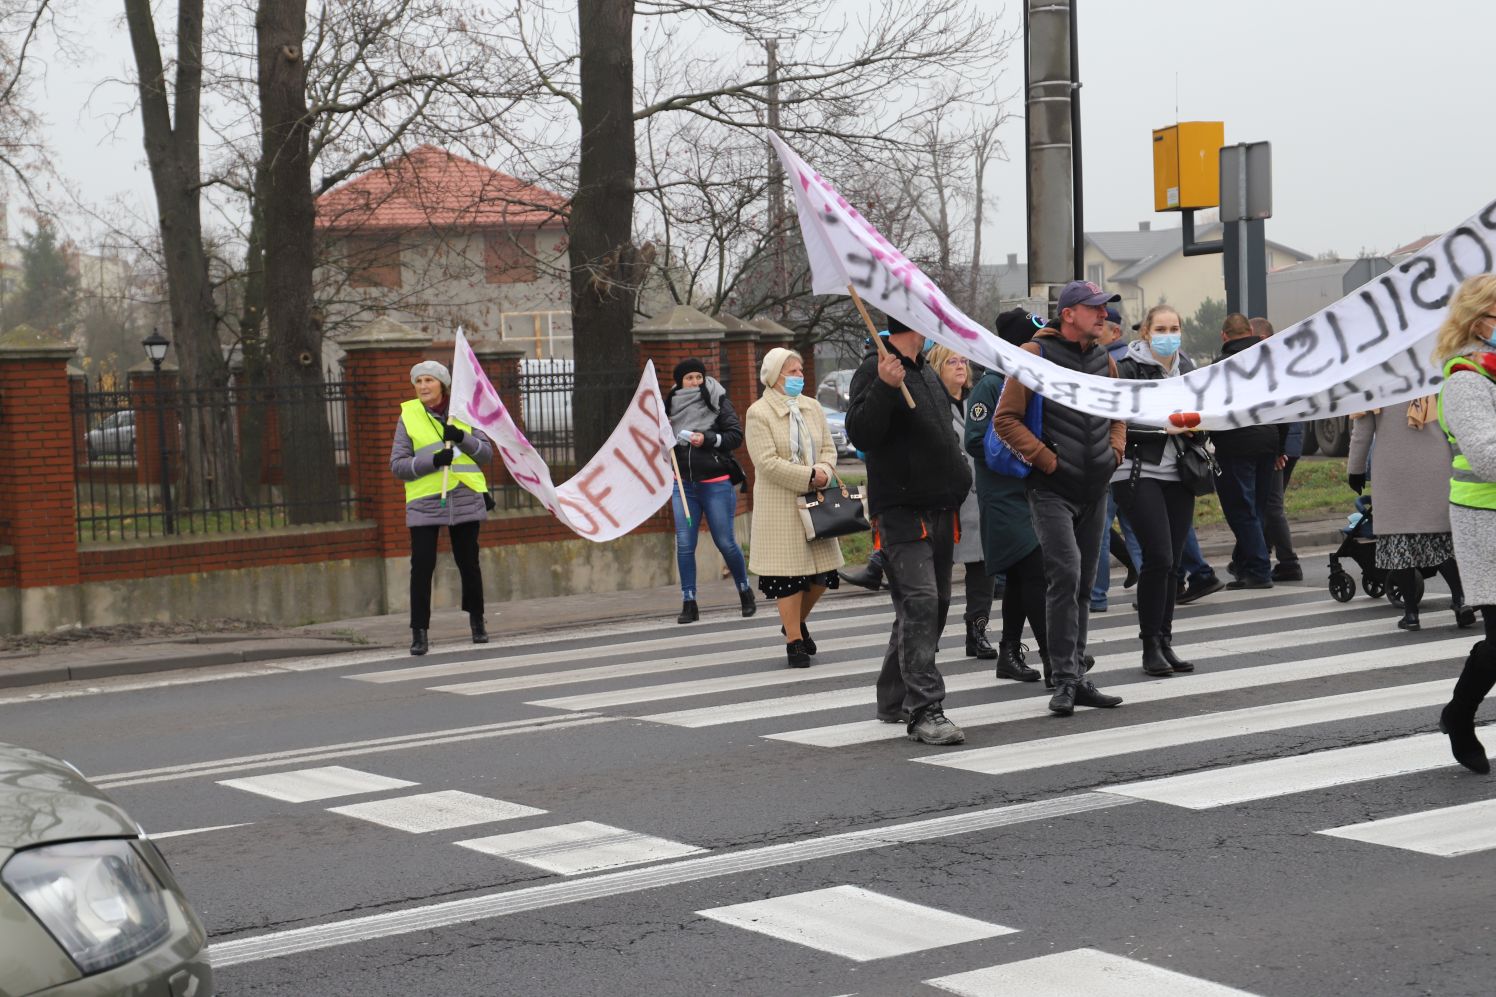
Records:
x=790, y=445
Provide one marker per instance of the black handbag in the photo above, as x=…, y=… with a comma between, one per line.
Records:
x=833, y=511
x=1197, y=468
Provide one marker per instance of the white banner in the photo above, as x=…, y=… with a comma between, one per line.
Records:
x=621, y=487
x=1367, y=350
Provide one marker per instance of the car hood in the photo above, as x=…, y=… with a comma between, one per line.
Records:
x=43, y=799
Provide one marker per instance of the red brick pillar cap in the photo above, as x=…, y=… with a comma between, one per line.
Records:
x=26, y=343
x=384, y=334
x=146, y=367
x=679, y=324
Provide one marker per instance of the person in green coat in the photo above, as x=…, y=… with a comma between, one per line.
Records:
x=1009, y=545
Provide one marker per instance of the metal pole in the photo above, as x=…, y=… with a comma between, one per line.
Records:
x=1243, y=258
x=168, y=519
x=1077, y=178
x=1051, y=249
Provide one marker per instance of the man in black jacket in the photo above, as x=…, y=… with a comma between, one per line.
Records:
x=1249, y=461
x=916, y=480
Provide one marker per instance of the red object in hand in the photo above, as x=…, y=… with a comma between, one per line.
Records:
x=1185, y=420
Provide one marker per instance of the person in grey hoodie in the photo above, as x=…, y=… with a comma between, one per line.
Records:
x=1150, y=494
x=428, y=440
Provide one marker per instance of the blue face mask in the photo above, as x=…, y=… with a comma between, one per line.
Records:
x=793, y=386
x=928, y=344
x=1165, y=344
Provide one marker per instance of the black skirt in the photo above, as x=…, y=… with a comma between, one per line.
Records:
x=780, y=586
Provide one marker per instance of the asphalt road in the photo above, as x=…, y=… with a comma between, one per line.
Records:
x=668, y=810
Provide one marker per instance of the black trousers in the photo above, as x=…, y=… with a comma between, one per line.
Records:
x=1024, y=597
x=1160, y=513
x=423, y=566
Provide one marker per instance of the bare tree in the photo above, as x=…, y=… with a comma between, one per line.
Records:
x=22, y=23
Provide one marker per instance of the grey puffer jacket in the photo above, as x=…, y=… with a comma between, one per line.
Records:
x=463, y=504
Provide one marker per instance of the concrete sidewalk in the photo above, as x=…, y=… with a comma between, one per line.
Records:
x=90, y=655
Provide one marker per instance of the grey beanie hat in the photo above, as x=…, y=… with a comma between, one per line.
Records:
x=433, y=369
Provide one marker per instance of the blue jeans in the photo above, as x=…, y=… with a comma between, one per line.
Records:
x=1103, y=569
x=1192, y=564
x=1245, y=488
x=719, y=500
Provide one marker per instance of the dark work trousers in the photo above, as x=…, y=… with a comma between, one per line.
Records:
x=1024, y=597
x=919, y=579
x=423, y=566
x=979, y=589
x=1243, y=488
x=1275, y=522
x=1070, y=534
x=1288, y=471
x=1160, y=513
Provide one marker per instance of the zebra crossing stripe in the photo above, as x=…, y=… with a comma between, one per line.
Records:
x=1178, y=687
x=1446, y=832
x=583, y=846
x=1090, y=745
x=1275, y=777
x=305, y=785
x=1080, y=971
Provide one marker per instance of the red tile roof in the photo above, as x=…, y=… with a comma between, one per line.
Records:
x=1413, y=246
x=431, y=188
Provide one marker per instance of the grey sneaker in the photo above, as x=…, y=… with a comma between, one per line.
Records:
x=932, y=727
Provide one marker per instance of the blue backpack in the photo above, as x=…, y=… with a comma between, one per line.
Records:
x=1003, y=459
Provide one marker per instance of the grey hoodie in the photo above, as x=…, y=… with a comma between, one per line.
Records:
x=1141, y=364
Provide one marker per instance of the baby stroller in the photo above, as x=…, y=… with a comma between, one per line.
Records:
x=1360, y=545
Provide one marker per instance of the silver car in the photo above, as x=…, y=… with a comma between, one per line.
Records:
x=88, y=905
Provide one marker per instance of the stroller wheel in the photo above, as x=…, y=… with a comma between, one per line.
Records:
x=1373, y=587
x=1342, y=588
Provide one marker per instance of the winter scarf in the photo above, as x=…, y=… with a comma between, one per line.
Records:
x=694, y=410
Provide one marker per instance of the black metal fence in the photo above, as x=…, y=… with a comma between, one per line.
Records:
x=181, y=461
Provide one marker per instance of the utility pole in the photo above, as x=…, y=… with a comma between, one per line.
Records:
x=1050, y=89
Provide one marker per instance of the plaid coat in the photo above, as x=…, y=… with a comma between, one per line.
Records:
x=777, y=546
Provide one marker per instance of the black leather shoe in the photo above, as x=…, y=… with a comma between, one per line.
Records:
x=1238, y=584
x=480, y=632
x=1010, y=663
x=1199, y=590
x=977, y=645
x=1086, y=694
x=418, y=645
x=1132, y=577
x=688, y=612
x=1409, y=620
x=795, y=654
x=1463, y=743
x=1062, y=703
x=1291, y=571
x=866, y=577
x=805, y=641
x=1464, y=616
x=1153, y=658
x=750, y=606
x=1166, y=645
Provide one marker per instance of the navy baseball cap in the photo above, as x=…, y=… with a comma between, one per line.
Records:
x=1083, y=292
x=1113, y=316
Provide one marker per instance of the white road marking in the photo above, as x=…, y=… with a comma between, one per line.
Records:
x=305, y=785
x=439, y=811
x=1177, y=687
x=584, y=846
x=1447, y=832
x=196, y=830
x=1085, y=746
x=1080, y=971
x=710, y=866
x=854, y=923
x=1275, y=777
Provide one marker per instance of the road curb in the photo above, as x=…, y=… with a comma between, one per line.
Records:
x=147, y=660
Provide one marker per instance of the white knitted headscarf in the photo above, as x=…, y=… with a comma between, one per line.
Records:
x=802, y=443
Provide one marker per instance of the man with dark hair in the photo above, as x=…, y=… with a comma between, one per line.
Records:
x=917, y=478
x=1073, y=458
x=1249, y=458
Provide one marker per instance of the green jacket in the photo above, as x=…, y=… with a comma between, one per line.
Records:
x=1007, y=531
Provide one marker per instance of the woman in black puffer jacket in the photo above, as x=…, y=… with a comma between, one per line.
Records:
x=1149, y=492
x=707, y=432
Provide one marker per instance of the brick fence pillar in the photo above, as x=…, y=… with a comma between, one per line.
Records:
x=675, y=334
x=38, y=504
x=149, y=410
x=377, y=369
x=740, y=348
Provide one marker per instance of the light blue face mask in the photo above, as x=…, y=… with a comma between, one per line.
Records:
x=929, y=343
x=793, y=386
x=1165, y=344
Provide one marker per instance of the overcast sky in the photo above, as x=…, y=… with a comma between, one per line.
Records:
x=1379, y=112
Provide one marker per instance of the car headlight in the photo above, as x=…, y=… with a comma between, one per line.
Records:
x=98, y=899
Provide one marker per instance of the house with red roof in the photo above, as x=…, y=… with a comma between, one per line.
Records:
x=433, y=241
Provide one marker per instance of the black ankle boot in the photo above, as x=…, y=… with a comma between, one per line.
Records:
x=795, y=654
x=480, y=632
x=1166, y=647
x=1458, y=718
x=749, y=605
x=1010, y=663
x=805, y=641
x=1464, y=616
x=418, y=643
x=977, y=644
x=688, y=612
x=1409, y=619
x=1154, y=662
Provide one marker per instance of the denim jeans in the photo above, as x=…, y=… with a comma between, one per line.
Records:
x=719, y=500
x=1103, y=567
x=1069, y=533
x=1192, y=564
x=1245, y=488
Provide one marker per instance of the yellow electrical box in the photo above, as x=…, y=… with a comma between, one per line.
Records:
x=1187, y=165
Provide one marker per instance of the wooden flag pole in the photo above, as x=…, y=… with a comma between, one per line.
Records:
x=877, y=339
x=685, y=506
x=446, y=476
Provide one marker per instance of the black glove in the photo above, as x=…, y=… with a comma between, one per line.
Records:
x=1357, y=482
x=443, y=457
x=451, y=434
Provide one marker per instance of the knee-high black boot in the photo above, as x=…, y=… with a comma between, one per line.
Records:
x=1464, y=615
x=1412, y=586
x=1458, y=718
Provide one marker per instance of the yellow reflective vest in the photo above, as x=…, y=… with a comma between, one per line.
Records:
x=1466, y=488
x=425, y=434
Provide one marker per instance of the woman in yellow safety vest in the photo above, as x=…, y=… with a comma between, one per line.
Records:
x=438, y=458
x=1466, y=346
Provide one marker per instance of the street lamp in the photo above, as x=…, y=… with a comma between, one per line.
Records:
x=156, y=346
